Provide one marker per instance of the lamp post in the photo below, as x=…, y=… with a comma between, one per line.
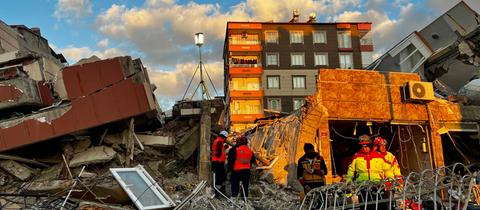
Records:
x=199, y=40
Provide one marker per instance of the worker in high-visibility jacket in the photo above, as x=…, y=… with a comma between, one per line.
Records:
x=380, y=144
x=240, y=161
x=218, y=160
x=311, y=169
x=366, y=165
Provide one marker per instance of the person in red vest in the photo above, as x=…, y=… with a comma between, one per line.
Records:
x=218, y=160
x=240, y=160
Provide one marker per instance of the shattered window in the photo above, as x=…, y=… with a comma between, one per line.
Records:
x=296, y=36
x=344, y=40
x=299, y=82
x=409, y=58
x=141, y=188
x=275, y=104
x=273, y=82
x=319, y=37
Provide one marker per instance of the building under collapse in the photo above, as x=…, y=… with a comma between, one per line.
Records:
x=422, y=131
x=42, y=99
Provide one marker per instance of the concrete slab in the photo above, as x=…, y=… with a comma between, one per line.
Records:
x=151, y=140
x=18, y=170
x=50, y=186
x=100, y=154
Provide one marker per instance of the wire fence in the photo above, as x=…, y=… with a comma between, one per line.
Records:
x=443, y=188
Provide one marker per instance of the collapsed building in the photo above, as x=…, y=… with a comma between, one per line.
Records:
x=349, y=103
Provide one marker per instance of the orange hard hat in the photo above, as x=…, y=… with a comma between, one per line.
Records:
x=364, y=140
x=379, y=141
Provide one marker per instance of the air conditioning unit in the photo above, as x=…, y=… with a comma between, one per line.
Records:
x=415, y=91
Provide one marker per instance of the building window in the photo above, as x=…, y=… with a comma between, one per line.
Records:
x=273, y=82
x=319, y=37
x=271, y=36
x=297, y=59
x=296, y=36
x=272, y=59
x=246, y=107
x=274, y=104
x=248, y=83
x=344, y=39
x=410, y=58
x=297, y=103
x=346, y=61
x=321, y=59
x=298, y=82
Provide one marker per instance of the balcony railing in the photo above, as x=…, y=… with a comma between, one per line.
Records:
x=244, y=42
x=242, y=65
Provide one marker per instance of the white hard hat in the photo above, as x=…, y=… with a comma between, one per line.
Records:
x=224, y=133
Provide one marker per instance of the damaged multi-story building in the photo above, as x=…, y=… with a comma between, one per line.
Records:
x=42, y=98
x=270, y=67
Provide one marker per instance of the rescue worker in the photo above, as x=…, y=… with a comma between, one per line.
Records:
x=381, y=146
x=218, y=160
x=366, y=165
x=311, y=169
x=240, y=161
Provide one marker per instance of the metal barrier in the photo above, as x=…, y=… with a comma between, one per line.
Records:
x=444, y=188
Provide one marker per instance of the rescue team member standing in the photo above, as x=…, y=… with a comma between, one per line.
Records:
x=240, y=160
x=311, y=169
x=380, y=144
x=366, y=165
x=218, y=160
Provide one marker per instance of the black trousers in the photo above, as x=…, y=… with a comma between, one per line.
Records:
x=220, y=175
x=237, y=177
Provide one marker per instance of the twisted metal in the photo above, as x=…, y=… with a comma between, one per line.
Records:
x=443, y=188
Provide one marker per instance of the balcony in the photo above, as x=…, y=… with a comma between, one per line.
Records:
x=245, y=117
x=248, y=69
x=366, y=43
x=245, y=42
x=246, y=93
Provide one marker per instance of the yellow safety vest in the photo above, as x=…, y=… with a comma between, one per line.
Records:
x=309, y=177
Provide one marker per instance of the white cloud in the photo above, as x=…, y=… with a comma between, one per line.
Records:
x=103, y=43
x=74, y=54
x=72, y=9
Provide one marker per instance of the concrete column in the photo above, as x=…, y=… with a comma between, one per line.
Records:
x=204, y=170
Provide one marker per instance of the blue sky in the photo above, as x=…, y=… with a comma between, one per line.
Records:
x=160, y=32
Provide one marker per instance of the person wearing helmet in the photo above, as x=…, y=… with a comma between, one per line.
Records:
x=366, y=165
x=380, y=144
x=218, y=160
x=240, y=161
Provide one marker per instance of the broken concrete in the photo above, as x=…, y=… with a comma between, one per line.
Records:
x=51, y=173
x=100, y=154
x=20, y=171
x=50, y=186
x=152, y=140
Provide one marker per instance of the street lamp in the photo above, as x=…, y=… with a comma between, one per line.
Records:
x=199, y=41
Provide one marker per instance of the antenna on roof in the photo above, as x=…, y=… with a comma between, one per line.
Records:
x=312, y=18
x=295, y=17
